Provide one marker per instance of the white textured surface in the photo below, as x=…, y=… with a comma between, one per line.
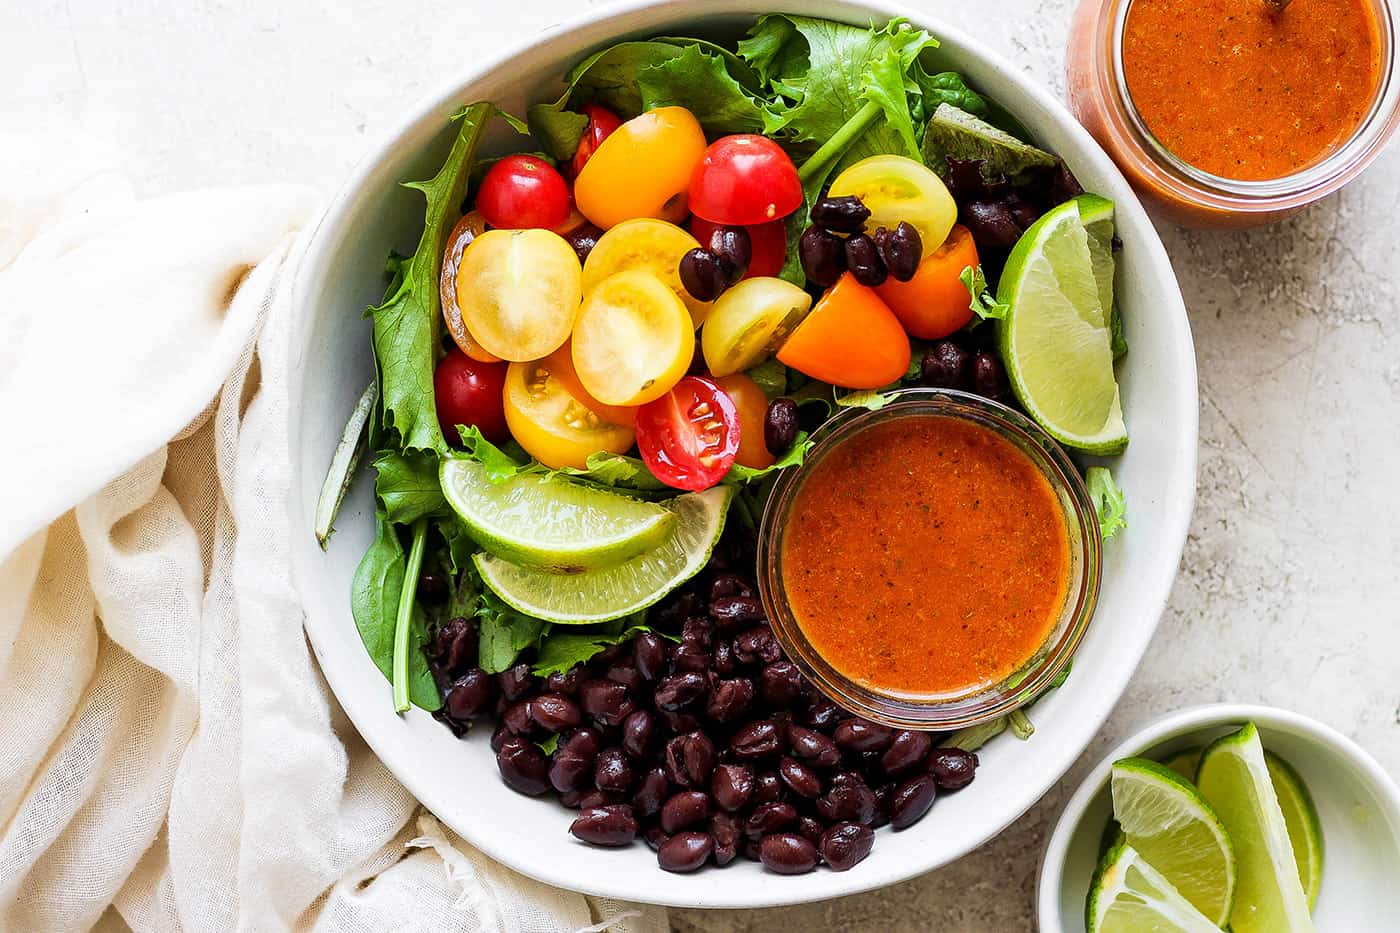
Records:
x=1290, y=587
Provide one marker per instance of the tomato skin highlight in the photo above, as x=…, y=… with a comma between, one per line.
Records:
x=601, y=123
x=935, y=303
x=752, y=405
x=642, y=169
x=744, y=179
x=521, y=192
x=468, y=392
x=689, y=437
x=850, y=339
x=769, y=244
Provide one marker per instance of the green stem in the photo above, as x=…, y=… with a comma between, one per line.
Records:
x=401, y=624
x=838, y=142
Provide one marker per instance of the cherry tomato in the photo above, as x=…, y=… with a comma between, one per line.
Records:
x=471, y=226
x=689, y=437
x=896, y=188
x=935, y=303
x=750, y=322
x=553, y=425
x=601, y=123
x=753, y=409
x=851, y=339
x=522, y=192
x=519, y=291
x=642, y=169
x=633, y=339
x=653, y=246
x=468, y=392
x=745, y=179
x=560, y=364
x=769, y=244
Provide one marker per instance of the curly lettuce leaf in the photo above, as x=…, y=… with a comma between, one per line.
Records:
x=980, y=298
x=1108, y=501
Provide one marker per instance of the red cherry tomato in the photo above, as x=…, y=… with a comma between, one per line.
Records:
x=689, y=437
x=769, y=244
x=521, y=192
x=601, y=123
x=469, y=393
x=744, y=179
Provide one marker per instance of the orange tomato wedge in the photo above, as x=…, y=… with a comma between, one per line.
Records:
x=850, y=339
x=753, y=408
x=935, y=303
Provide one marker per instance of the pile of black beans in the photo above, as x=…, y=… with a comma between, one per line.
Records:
x=967, y=361
x=709, y=748
x=836, y=243
x=707, y=270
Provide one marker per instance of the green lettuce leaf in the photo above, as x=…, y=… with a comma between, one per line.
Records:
x=560, y=651
x=980, y=298
x=504, y=633
x=771, y=376
x=374, y=604
x=1108, y=501
x=740, y=475
x=407, y=485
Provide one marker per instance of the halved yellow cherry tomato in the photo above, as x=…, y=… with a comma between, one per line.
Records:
x=471, y=226
x=642, y=169
x=554, y=426
x=753, y=409
x=651, y=245
x=633, y=339
x=560, y=364
x=750, y=322
x=850, y=339
x=519, y=291
x=896, y=188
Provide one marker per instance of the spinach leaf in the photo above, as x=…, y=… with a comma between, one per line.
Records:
x=504, y=633
x=557, y=130
x=1108, y=501
x=407, y=485
x=407, y=323
x=771, y=376
x=374, y=603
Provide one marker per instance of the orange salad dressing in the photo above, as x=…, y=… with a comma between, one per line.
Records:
x=926, y=556
x=1243, y=92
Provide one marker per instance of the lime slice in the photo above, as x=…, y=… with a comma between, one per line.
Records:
x=600, y=595
x=1130, y=896
x=1175, y=829
x=1096, y=214
x=1234, y=777
x=549, y=523
x=1304, y=827
x=1055, y=339
x=1185, y=762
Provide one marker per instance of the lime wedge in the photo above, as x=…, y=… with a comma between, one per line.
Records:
x=1234, y=777
x=1185, y=762
x=613, y=592
x=1096, y=214
x=1304, y=827
x=1130, y=896
x=1165, y=819
x=549, y=523
x=1055, y=339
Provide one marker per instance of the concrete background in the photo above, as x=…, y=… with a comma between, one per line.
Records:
x=1289, y=592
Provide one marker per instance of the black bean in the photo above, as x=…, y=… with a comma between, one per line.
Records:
x=649, y=655
x=883, y=793
x=989, y=376
x=813, y=747
x=583, y=239
x=638, y=732
x=823, y=714
x=678, y=723
x=722, y=658
x=780, y=683
x=703, y=275
x=863, y=259
x=627, y=675
x=787, y=854
x=802, y=779
x=734, y=250
x=685, y=851
x=690, y=759
x=844, y=214
x=728, y=584
x=598, y=798
x=823, y=256
x=906, y=752
x=862, y=735
x=499, y=736
x=757, y=646
x=771, y=817
x=846, y=844
x=571, y=765
x=692, y=657
x=610, y=655
x=780, y=425
x=756, y=739
x=523, y=766
x=433, y=589
x=683, y=809
x=565, y=683
x=652, y=791
x=724, y=829
x=730, y=699
x=850, y=802
x=697, y=631
x=952, y=768
x=911, y=800
x=518, y=720
x=470, y=695
x=606, y=826
x=767, y=787
x=810, y=829
x=605, y=701
x=733, y=611
x=554, y=713
x=680, y=691
x=946, y=365
x=901, y=249
x=455, y=645
x=731, y=786
x=612, y=772
x=655, y=837
x=517, y=682
x=991, y=224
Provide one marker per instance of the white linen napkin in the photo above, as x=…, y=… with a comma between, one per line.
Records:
x=170, y=757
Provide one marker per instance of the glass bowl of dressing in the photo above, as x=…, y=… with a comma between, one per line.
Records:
x=933, y=564
x=1232, y=113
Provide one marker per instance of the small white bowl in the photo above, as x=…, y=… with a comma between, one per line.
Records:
x=1357, y=803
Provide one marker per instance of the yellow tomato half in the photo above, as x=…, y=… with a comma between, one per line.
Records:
x=896, y=188
x=519, y=291
x=551, y=424
x=642, y=169
x=651, y=245
x=633, y=339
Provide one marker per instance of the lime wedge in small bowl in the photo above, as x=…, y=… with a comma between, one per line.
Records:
x=1167, y=821
x=548, y=523
x=1128, y=895
x=1304, y=825
x=613, y=592
x=1055, y=339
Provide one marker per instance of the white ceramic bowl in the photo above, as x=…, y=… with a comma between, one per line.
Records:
x=456, y=779
x=1357, y=803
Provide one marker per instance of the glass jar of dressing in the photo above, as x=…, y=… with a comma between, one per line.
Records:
x=1232, y=113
